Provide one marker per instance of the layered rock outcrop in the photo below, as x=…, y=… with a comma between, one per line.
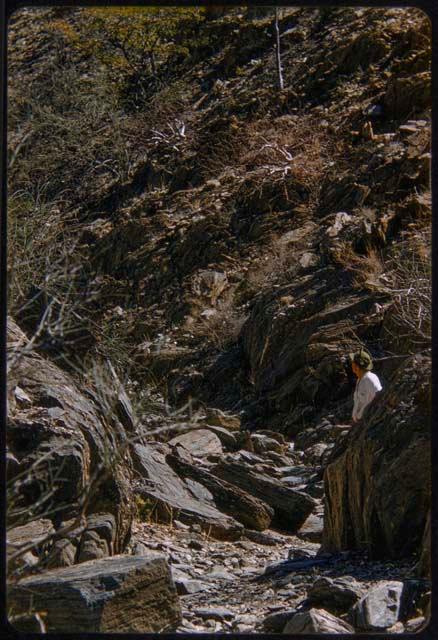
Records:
x=68, y=453
x=379, y=487
x=119, y=594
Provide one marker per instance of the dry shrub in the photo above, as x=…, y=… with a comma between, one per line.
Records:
x=296, y=147
x=409, y=279
x=45, y=272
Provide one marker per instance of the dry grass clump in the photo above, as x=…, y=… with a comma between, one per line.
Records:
x=365, y=270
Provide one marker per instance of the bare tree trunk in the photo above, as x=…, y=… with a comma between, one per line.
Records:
x=278, y=52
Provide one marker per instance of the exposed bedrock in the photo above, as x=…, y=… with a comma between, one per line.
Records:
x=379, y=487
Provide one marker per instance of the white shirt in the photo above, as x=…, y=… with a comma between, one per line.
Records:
x=366, y=389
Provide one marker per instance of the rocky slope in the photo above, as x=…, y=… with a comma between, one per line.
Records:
x=189, y=271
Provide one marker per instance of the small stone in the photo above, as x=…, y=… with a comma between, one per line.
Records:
x=21, y=397
x=214, y=614
x=316, y=621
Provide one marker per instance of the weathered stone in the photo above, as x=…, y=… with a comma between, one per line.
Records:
x=268, y=539
x=92, y=547
x=172, y=499
x=186, y=586
x=314, y=454
x=276, y=622
x=316, y=621
x=263, y=443
x=97, y=541
x=214, y=614
x=67, y=446
x=336, y=595
x=291, y=507
x=379, y=487
x=210, y=284
x=199, y=442
x=315, y=489
x=118, y=594
x=242, y=506
x=312, y=528
x=296, y=358
x=199, y=491
x=379, y=609
x=227, y=438
x=414, y=594
x=62, y=554
x=275, y=435
x=220, y=574
x=34, y=532
x=30, y=536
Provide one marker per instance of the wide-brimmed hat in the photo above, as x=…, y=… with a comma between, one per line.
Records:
x=363, y=359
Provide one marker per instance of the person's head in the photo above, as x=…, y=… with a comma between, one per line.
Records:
x=361, y=362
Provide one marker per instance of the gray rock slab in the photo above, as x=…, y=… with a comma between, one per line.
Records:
x=291, y=507
x=172, y=499
x=237, y=503
x=379, y=609
x=118, y=594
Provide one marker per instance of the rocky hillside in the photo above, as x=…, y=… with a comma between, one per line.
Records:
x=193, y=253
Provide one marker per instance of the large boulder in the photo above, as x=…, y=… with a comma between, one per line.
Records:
x=69, y=446
x=171, y=497
x=291, y=507
x=250, y=511
x=118, y=594
x=379, y=487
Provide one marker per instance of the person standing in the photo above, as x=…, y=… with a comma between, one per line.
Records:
x=367, y=385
